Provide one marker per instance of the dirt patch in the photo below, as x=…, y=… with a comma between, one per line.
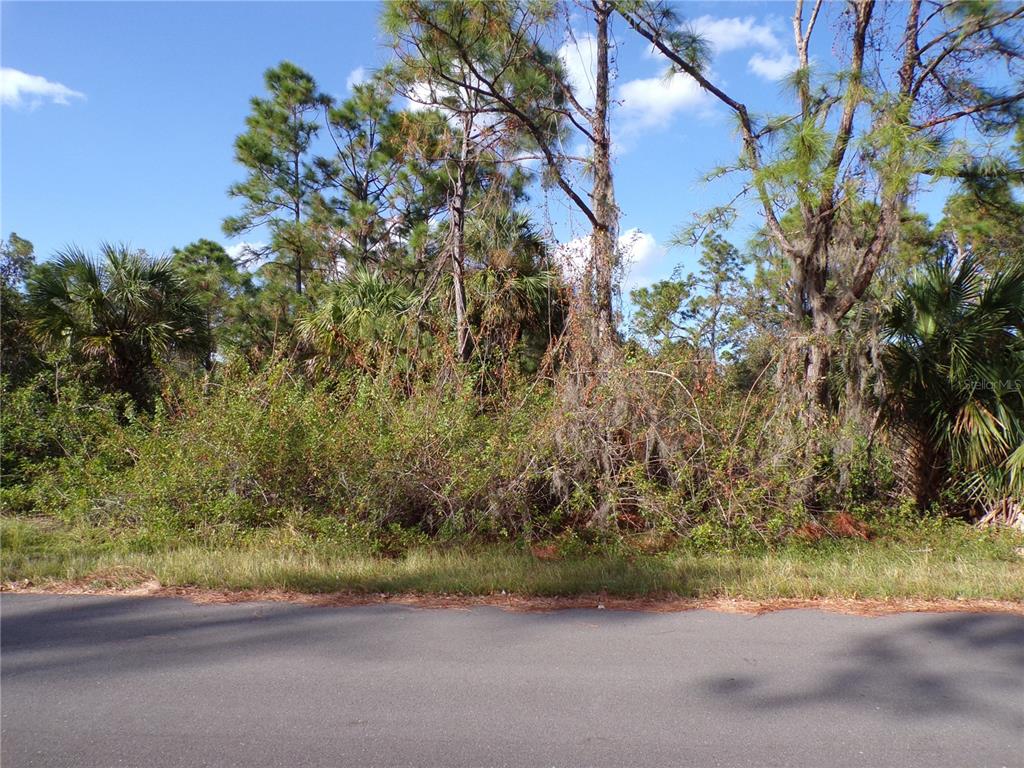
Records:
x=521, y=603
x=844, y=525
x=840, y=526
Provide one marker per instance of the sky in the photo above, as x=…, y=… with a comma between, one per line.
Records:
x=117, y=119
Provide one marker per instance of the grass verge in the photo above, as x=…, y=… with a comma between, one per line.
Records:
x=967, y=566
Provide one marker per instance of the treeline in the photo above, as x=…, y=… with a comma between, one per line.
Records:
x=410, y=353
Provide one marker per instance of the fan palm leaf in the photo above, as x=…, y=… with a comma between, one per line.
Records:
x=121, y=308
x=954, y=365
x=360, y=319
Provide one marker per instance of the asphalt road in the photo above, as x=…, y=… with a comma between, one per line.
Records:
x=152, y=682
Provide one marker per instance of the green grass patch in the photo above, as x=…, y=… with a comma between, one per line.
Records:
x=919, y=564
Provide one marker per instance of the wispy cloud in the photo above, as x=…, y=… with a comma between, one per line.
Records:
x=421, y=96
x=651, y=103
x=20, y=89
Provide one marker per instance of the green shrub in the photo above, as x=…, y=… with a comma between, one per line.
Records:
x=376, y=465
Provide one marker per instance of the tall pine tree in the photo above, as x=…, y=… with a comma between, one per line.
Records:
x=282, y=181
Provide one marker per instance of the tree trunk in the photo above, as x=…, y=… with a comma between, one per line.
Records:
x=713, y=331
x=805, y=367
x=926, y=469
x=208, y=357
x=128, y=375
x=816, y=393
x=458, y=241
x=297, y=247
x=603, y=234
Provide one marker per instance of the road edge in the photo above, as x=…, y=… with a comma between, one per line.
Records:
x=536, y=604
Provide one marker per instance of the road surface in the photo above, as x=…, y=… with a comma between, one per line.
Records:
x=158, y=682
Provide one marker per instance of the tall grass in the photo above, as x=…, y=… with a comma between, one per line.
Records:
x=972, y=566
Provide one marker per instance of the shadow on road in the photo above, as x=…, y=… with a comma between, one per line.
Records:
x=893, y=670
x=86, y=637
x=905, y=667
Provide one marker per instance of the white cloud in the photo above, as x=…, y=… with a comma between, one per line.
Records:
x=572, y=257
x=19, y=89
x=579, y=57
x=653, y=101
x=419, y=97
x=252, y=255
x=357, y=76
x=527, y=160
x=637, y=249
x=773, y=67
x=644, y=102
x=632, y=282
x=641, y=253
x=423, y=95
x=733, y=33
x=640, y=247
x=725, y=34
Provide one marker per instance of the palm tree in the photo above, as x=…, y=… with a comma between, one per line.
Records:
x=359, y=320
x=955, y=370
x=511, y=296
x=122, y=310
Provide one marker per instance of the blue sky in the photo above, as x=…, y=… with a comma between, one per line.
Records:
x=118, y=118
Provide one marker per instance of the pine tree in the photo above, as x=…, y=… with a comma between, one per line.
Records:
x=275, y=150
x=217, y=284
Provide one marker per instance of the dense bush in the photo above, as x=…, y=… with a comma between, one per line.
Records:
x=252, y=451
x=46, y=421
x=659, y=454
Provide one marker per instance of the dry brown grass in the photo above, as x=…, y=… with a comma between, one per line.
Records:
x=519, y=603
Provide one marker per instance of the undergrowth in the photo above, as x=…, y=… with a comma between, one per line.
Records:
x=359, y=484
x=956, y=562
